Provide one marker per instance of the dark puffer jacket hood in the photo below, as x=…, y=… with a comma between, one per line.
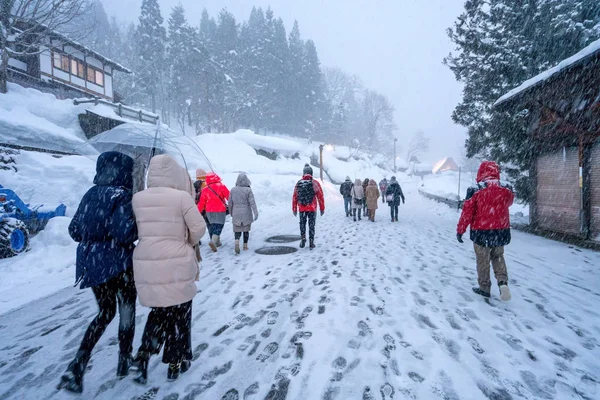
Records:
x=488, y=170
x=114, y=169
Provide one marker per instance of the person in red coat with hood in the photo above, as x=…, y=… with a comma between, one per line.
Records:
x=308, y=196
x=486, y=211
x=213, y=201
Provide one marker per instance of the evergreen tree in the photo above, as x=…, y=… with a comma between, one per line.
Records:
x=253, y=86
x=150, y=46
x=179, y=46
x=295, y=89
x=277, y=66
x=227, y=69
x=315, y=107
x=204, y=55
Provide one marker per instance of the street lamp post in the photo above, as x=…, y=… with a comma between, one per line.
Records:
x=395, y=140
x=321, y=160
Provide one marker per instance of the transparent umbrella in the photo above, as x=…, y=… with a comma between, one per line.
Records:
x=143, y=141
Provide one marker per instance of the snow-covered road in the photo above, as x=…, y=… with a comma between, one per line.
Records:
x=377, y=311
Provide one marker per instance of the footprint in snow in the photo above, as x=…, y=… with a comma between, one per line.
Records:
x=416, y=377
x=268, y=351
x=338, y=366
x=387, y=391
x=475, y=345
x=251, y=391
x=232, y=394
x=272, y=317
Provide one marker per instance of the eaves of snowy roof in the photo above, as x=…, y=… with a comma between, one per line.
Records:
x=593, y=50
x=84, y=49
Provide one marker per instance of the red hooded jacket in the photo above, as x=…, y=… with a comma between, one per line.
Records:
x=214, y=195
x=318, y=198
x=486, y=211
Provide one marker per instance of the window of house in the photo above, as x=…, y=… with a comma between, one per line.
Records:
x=95, y=76
x=77, y=68
x=61, y=62
x=91, y=74
x=99, y=78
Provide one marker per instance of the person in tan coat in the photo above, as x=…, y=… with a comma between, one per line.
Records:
x=372, y=194
x=165, y=264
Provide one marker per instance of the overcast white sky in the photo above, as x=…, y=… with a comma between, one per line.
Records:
x=395, y=46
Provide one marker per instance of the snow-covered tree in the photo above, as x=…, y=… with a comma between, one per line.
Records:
x=150, y=46
x=417, y=147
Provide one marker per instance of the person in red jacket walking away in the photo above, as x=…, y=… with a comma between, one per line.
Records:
x=213, y=201
x=486, y=211
x=307, y=194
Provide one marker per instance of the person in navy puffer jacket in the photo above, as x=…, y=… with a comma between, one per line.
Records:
x=104, y=226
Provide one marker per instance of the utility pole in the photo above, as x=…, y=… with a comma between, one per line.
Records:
x=321, y=160
x=395, y=140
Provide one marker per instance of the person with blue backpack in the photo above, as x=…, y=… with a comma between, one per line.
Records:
x=105, y=228
x=308, y=197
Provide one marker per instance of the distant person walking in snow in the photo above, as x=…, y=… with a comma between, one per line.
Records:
x=346, y=192
x=166, y=264
x=393, y=196
x=104, y=225
x=365, y=184
x=199, y=184
x=358, y=199
x=213, y=201
x=372, y=194
x=486, y=211
x=383, y=185
x=308, y=195
x=242, y=207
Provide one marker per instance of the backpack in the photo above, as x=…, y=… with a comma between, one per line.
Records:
x=306, y=192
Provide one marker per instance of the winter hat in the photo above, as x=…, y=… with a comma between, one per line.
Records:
x=393, y=179
x=307, y=170
x=348, y=179
x=200, y=174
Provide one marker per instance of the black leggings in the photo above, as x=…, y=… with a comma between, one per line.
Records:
x=120, y=291
x=238, y=235
x=171, y=326
x=311, y=218
x=394, y=211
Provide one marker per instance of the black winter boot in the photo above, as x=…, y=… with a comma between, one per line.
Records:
x=72, y=379
x=303, y=242
x=173, y=372
x=125, y=362
x=142, y=359
x=481, y=292
x=312, y=244
x=185, y=366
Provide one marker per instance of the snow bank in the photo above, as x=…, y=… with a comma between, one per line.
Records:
x=237, y=152
x=44, y=179
x=29, y=117
x=286, y=148
x=49, y=266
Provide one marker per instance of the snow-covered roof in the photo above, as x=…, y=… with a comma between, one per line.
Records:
x=76, y=45
x=589, y=51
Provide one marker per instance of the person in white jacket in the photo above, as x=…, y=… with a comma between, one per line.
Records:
x=165, y=264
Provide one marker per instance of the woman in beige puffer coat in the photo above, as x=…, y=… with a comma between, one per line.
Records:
x=372, y=194
x=165, y=264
